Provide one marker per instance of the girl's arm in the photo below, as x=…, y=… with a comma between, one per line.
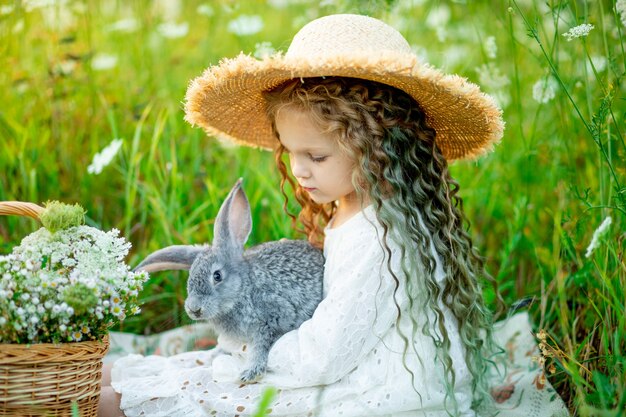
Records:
x=358, y=310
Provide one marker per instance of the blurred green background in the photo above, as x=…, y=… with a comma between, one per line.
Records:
x=78, y=76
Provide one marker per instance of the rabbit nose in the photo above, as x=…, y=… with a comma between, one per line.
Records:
x=196, y=313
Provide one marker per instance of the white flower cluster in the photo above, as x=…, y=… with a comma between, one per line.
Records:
x=620, y=7
x=544, y=90
x=578, y=31
x=70, y=285
x=495, y=82
x=263, y=50
x=491, y=48
x=246, y=25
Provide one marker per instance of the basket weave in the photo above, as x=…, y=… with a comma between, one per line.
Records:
x=45, y=379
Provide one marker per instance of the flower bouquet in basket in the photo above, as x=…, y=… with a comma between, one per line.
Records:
x=61, y=290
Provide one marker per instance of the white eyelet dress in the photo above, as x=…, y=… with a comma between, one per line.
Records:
x=347, y=360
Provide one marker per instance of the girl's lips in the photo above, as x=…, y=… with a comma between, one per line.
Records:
x=309, y=189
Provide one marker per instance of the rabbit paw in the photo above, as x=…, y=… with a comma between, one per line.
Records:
x=251, y=375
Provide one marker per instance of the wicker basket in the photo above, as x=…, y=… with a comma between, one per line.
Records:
x=46, y=379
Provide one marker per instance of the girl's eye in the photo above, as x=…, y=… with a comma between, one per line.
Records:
x=217, y=276
x=318, y=158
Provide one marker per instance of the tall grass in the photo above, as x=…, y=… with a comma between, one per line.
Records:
x=534, y=203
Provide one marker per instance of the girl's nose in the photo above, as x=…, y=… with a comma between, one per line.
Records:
x=299, y=169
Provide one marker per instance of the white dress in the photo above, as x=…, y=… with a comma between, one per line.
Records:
x=347, y=360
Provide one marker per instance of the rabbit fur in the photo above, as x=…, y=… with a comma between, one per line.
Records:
x=254, y=295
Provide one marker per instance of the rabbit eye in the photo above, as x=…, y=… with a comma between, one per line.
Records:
x=217, y=276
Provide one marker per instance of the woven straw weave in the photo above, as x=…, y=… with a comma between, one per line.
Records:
x=44, y=379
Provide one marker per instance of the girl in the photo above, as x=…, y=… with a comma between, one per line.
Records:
x=402, y=329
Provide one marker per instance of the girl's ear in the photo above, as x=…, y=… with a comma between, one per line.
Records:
x=170, y=258
x=233, y=222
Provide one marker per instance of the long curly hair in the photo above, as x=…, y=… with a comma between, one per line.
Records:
x=400, y=169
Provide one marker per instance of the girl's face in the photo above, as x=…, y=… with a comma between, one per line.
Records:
x=316, y=159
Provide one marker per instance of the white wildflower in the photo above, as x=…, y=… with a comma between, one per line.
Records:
x=278, y=4
x=597, y=235
x=620, y=7
x=599, y=63
x=437, y=19
x=127, y=25
x=104, y=158
x=544, y=90
x=263, y=50
x=169, y=10
x=495, y=82
x=101, y=62
x=59, y=19
x=246, y=25
x=62, y=327
x=491, y=77
x=117, y=310
x=491, y=49
x=438, y=16
x=3, y=321
x=408, y=5
x=30, y=5
x=6, y=9
x=578, y=31
x=173, y=30
x=205, y=9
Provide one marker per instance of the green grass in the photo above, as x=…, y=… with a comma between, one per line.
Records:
x=534, y=203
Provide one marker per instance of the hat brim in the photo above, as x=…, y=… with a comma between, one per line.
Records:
x=227, y=102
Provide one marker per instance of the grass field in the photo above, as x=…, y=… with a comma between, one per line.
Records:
x=77, y=75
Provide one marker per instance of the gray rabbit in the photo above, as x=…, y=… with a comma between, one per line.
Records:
x=254, y=295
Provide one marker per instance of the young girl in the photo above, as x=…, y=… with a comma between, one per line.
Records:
x=368, y=130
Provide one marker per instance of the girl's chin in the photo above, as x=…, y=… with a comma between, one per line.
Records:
x=318, y=198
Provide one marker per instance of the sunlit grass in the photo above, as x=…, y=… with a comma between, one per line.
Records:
x=76, y=75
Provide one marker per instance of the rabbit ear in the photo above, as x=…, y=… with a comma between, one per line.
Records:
x=171, y=257
x=234, y=221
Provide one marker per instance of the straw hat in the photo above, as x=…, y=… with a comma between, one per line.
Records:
x=226, y=99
